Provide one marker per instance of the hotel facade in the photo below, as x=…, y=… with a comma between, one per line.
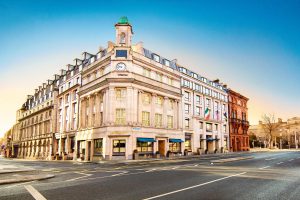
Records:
x=123, y=102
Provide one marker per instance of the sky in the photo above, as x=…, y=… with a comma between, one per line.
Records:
x=252, y=46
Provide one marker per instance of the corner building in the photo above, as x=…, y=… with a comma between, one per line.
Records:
x=123, y=102
x=130, y=102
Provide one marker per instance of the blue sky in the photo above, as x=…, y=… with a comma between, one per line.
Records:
x=253, y=46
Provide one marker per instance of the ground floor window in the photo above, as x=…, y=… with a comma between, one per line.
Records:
x=145, y=147
x=72, y=146
x=119, y=147
x=174, y=147
x=188, y=142
x=98, y=146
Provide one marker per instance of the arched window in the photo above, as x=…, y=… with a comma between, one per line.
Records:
x=122, y=38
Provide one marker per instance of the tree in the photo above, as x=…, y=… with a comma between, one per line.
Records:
x=270, y=127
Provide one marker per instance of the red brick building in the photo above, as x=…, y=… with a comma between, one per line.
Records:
x=238, y=122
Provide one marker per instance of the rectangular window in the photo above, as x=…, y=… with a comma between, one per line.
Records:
x=170, y=121
x=120, y=116
x=155, y=57
x=159, y=101
x=158, y=120
x=175, y=147
x=146, y=72
x=167, y=63
x=120, y=94
x=146, y=98
x=159, y=77
x=146, y=118
x=198, y=99
x=187, y=123
x=119, y=147
x=197, y=110
x=201, y=125
x=216, y=127
x=188, y=142
x=186, y=83
x=121, y=53
x=186, y=96
x=145, y=147
x=208, y=103
x=171, y=104
x=186, y=108
x=74, y=95
x=209, y=127
x=98, y=146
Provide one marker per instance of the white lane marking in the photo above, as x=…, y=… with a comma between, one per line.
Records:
x=15, y=185
x=83, y=173
x=195, y=165
x=291, y=160
x=151, y=170
x=264, y=167
x=36, y=195
x=270, y=158
x=279, y=163
x=195, y=186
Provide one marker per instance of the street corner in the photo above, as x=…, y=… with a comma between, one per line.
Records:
x=19, y=176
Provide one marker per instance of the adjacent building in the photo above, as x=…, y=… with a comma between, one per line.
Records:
x=286, y=135
x=238, y=122
x=123, y=102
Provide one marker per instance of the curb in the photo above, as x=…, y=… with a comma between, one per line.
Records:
x=26, y=179
x=231, y=159
x=16, y=171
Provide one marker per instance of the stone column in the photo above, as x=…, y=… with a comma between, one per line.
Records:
x=111, y=106
x=179, y=111
x=165, y=111
x=175, y=116
x=97, y=106
x=91, y=110
x=86, y=150
x=135, y=106
x=129, y=106
x=152, y=114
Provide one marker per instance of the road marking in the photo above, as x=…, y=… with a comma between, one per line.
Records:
x=195, y=165
x=151, y=170
x=264, y=167
x=36, y=195
x=15, y=185
x=291, y=160
x=195, y=186
x=270, y=158
x=279, y=163
x=83, y=173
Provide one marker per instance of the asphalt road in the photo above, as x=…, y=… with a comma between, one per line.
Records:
x=268, y=175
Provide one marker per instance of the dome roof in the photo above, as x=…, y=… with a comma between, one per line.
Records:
x=123, y=20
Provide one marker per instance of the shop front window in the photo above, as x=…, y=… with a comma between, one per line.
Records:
x=144, y=147
x=188, y=142
x=98, y=146
x=119, y=147
x=174, y=147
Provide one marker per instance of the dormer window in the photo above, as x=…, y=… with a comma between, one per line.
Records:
x=167, y=63
x=122, y=38
x=155, y=57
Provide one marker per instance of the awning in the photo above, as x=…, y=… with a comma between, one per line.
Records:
x=146, y=140
x=175, y=140
x=210, y=139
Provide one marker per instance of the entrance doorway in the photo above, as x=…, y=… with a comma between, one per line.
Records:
x=161, y=147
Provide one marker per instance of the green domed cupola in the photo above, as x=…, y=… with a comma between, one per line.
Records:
x=123, y=20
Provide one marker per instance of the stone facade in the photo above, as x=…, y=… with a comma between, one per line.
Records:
x=238, y=122
x=37, y=122
x=287, y=135
x=123, y=102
